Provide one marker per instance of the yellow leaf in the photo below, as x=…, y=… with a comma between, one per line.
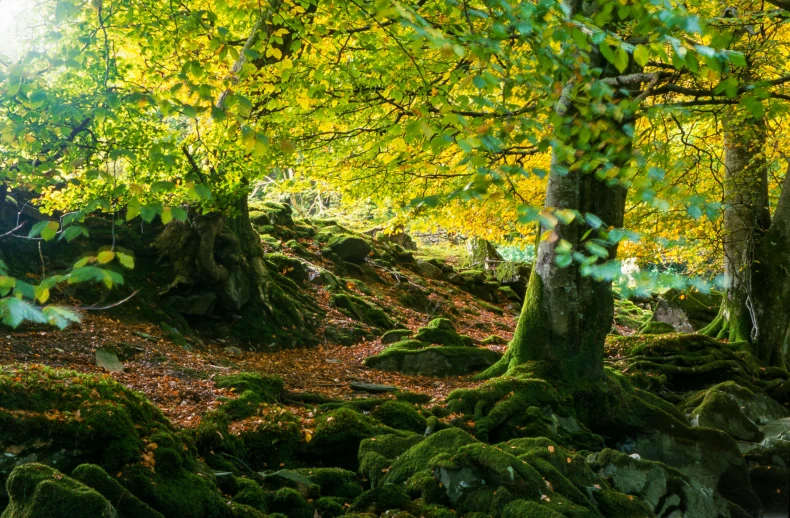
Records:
x=105, y=256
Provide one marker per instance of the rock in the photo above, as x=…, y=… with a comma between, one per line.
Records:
x=441, y=331
x=195, y=304
x=672, y=314
x=482, y=254
x=172, y=334
x=733, y=409
x=514, y=275
x=125, y=502
x=373, y=388
x=381, y=499
x=350, y=248
x=108, y=361
x=433, y=361
x=698, y=309
x=234, y=351
x=287, y=478
x=361, y=310
x=658, y=485
x=36, y=490
x=396, y=335
x=510, y=294
x=428, y=270
x=398, y=237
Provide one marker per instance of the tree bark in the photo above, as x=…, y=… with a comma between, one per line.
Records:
x=567, y=314
x=746, y=217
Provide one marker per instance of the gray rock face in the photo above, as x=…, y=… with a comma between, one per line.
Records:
x=350, y=248
x=660, y=486
x=672, y=314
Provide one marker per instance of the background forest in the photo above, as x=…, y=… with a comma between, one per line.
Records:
x=434, y=258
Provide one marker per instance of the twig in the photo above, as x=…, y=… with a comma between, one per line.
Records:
x=94, y=308
x=13, y=230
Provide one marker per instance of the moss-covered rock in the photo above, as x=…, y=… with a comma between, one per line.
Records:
x=349, y=247
x=441, y=331
x=381, y=499
x=664, y=489
x=629, y=315
x=656, y=328
x=127, y=505
x=395, y=335
x=334, y=482
x=400, y=415
x=434, y=361
x=267, y=387
x=733, y=408
x=418, y=457
x=36, y=490
x=330, y=507
x=291, y=504
x=361, y=310
x=339, y=432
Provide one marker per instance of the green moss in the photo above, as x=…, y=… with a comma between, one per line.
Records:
x=490, y=307
x=656, y=328
x=93, y=414
x=330, y=507
x=361, y=310
x=493, y=340
x=395, y=335
x=381, y=499
x=629, y=315
x=527, y=509
x=36, y=490
x=432, y=361
x=441, y=331
x=274, y=441
x=340, y=432
x=612, y=504
x=249, y=492
x=413, y=397
x=290, y=503
x=127, y=505
x=418, y=457
x=400, y=415
x=288, y=266
x=334, y=482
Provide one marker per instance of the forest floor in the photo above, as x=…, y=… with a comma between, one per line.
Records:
x=179, y=380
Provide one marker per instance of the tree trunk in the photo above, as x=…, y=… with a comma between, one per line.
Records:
x=566, y=314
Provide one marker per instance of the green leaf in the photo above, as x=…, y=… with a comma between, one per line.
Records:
x=162, y=186
x=149, y=212
x=167, y=215
x=641, y=55
x=621, y=60
x=14, y=311
x=59, y=317
x=126, y=260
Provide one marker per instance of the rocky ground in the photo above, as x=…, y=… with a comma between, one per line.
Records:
x=171, y=410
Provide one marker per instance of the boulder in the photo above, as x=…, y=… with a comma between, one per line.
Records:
x=396, y=335
x=656, y=328
x=514, y=275
x=36, y=490
x=664, y=489
x=668, y=312
x=350, y=247
x=436, y=361
x=482, y=254
x=441, y=331
x=427, y=269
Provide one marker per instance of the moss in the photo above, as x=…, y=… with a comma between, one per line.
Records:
x=340, y=432
x=527, y=509
x=289, y=502
x=493, y=340
x=361, y=310
x=290, y=267
x=381, y=499
x=334, y=482
x=330, y=507
x=433, y=361
x=395, y=335
x=177, y=494
x=400, y=415
x=413, y=397
x=274, y=441
x=249, y=492
x=656, y=328
x=36, y=490
x=93, y=414
x=612, y=504
x=629, y=315
x=418, y=457
x=127, y=505
x=490, y=307
x=441, y=331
